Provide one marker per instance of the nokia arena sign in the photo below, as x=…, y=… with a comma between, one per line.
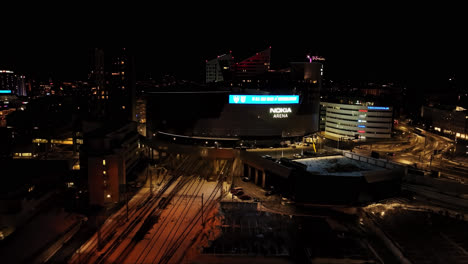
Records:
x=263, y=99
x=280, y=112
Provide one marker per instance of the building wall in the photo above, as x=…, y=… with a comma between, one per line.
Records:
x=447, y=121
x=113, y=75
x=216, y=67
x=105, y=179
x=119, y=149
x=210, y=115
x=253, y=66
x=7, y=81
x=343, y=120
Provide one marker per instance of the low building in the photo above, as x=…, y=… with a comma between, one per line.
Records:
x=346, y=179
x=108, y=155
x=362, y=121
x=448, y=120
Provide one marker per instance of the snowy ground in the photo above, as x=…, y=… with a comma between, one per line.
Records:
x=326, y=165
x=178, y=224
x=34, y=237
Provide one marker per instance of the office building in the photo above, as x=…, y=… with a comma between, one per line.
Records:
x=21, y=86
x=253, y=66
x=7, y=82
x=364, y=121
x=218, y=70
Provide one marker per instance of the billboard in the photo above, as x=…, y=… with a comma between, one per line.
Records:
x=378, y=108
x=263, y=99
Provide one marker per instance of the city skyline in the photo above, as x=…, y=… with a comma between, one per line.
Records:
x=366, y=61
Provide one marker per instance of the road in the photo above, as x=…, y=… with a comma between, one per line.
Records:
x=416, y=147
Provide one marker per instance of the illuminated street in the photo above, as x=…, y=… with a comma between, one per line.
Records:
x=417, y=149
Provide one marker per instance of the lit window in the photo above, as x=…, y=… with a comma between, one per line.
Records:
x=104, y=172
x=122, y=62
x=123, y=73
x=108, y=196
x=103, y=162
x=123, y=106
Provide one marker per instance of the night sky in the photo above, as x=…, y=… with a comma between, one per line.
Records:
x=423, y=54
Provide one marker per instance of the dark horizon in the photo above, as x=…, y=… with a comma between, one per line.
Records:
x=365, y=61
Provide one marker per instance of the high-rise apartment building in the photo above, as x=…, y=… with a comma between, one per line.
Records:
x=113, y=76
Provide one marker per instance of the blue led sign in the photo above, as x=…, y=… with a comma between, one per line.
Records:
x=378, y=108
x=263, y=99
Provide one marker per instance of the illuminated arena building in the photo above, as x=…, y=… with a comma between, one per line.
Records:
x=241, y=101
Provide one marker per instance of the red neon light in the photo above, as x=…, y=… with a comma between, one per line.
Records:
x=361, y=131
x=362, y=110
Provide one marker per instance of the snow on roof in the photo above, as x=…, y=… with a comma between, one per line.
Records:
x=337, y=166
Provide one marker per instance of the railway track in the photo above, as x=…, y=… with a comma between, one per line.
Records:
x=147, y=216
x=108, y=229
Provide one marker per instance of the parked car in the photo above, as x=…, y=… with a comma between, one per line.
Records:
x=297, y=156
x=235, y=190
x=239, y=193
x=245, y=197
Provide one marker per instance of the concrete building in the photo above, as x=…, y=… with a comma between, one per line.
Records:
x=217, y=69
x=7, y=82
x=108, y=155
x=356, y=121
x=253, y=66
x=21, y=86
x=11, y=83
x=449, y=120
